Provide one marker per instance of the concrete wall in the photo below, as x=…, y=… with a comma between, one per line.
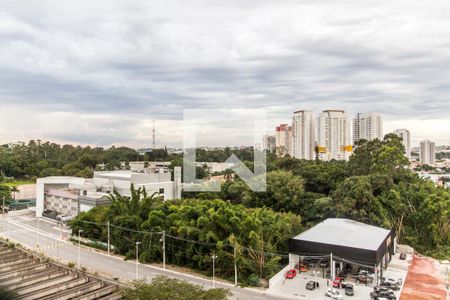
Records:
x=26, y=191
x=279, y=277
x=51, y=181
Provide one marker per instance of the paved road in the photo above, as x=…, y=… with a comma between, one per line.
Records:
x=31, y=232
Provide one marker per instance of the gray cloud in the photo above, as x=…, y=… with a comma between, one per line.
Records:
x=129, y=60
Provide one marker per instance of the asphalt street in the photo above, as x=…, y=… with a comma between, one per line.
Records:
x=46, y=237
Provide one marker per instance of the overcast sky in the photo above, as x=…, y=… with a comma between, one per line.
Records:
x=98, y=72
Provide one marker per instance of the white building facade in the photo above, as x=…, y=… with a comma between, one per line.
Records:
x=67, y=196
x=283, y=139
x=334, y=135
x=427, y=153
x=269, y=142
x=367, y=126
x=303, y=134
x=405, y=135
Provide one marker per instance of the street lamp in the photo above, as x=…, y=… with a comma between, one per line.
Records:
x=137, y=260
x=79, y=237
x=214, y=257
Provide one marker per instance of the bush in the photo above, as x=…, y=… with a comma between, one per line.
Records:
x=7, y=295
x=253, y=280
x=163, y=287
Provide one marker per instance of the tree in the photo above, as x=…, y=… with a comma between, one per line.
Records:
x=354, y=199
x=163, y=287
x=14, y=190
x=50, y=172
x=284, y=192
x=88, y=161
x=377, y=156
x=7, y=295
x=5, y=194
x=86, y=173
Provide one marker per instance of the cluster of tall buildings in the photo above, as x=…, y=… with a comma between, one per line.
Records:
x=328, y=136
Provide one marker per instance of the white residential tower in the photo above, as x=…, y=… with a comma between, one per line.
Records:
x=283, y=139
x=427, y=152
x=405, y=135
x=303, y=134
x=334, y=135
x=367, y=126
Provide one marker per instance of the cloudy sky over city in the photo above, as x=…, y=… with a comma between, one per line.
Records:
x=98, y=72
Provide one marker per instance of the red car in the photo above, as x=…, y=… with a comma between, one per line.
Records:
x=301, y=268
x=291, y=274
x=337, y=283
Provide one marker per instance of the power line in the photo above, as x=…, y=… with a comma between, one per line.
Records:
x=190, y=241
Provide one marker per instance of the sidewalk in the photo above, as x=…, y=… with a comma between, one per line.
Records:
x=423, y=281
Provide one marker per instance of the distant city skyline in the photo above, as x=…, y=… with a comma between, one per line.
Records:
x=73, y=74
x=169, y=132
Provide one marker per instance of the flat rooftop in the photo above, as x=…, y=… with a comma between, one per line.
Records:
x=117, y=174
x=346, y=233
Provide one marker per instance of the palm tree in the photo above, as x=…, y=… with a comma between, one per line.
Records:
x=139, y=204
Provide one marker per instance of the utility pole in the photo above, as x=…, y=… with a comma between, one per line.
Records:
x=332, y=271
x=163, y=240
x=137, y=260
x=235, y=267
x=214, y=257
x=109, y=241
x=79, y=236
x=376, y=272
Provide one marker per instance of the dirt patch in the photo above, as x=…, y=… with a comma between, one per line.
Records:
x=423, y=281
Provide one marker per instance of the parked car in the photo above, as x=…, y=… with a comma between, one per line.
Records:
x=324, y=263
x=402, y=256
x=291, y=274
x=391, y=284
x=333, y=294
x=348, y=268
x=337, y=282
x=349, y=289
x=379, y=288
x=312, y=285
x=382, y=295
x=363, y=279
x=366, y=270
x=302, y=267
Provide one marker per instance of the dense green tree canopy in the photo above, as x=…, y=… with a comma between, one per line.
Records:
x=194, y=230
x=39, y=158
x=163, y=287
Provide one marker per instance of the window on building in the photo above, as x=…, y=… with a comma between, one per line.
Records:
x=161, y=191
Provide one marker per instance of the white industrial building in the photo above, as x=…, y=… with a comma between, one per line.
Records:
x=66, y=196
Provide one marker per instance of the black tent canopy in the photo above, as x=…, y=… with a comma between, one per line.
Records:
x=347, y=239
